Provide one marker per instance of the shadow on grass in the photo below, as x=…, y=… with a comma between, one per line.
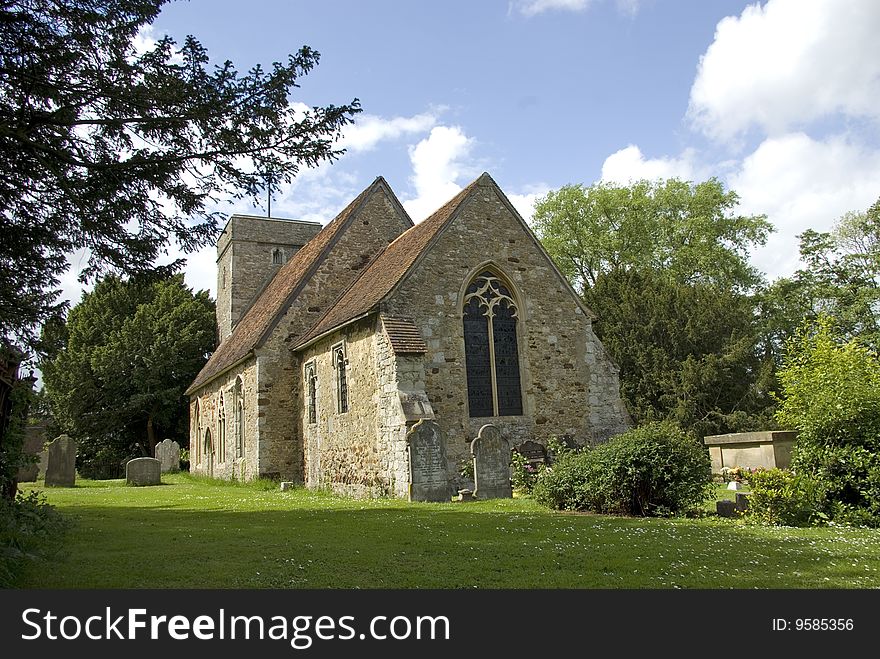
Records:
x=442, y=546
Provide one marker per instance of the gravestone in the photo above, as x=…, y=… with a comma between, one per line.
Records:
x=61, y=462
x=168, y=455
x=428, y=469
x=143, y=471
x=534, y=452
x=34, y=446
x=725, y=508
x=491, y=464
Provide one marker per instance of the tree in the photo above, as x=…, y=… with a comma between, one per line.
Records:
x=841, y=277
x=117, y=152
x=831, y=396
x=688, y=232
x=664, y=267
x=130, y=349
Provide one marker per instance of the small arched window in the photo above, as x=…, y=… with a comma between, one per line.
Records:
x=491, y=350
x=277, y=257
x=311, y=392
x=195, y=446
x=340, y=363
x=221, y=434
x=239, y=418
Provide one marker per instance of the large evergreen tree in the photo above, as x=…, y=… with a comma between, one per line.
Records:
x=117, y=152
x=124, y=358
x=664, y=267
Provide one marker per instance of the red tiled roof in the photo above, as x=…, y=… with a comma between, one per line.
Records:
x=386, y=270
x=280, y=292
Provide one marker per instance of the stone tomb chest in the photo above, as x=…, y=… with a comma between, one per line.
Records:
x=751, y=449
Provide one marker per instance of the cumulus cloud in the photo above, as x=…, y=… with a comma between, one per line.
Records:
x=531, y=8
x=368, y=130
x=524, y=203
x=789, y=62
x=629, y=164
x=801, y=183
x=439, y=162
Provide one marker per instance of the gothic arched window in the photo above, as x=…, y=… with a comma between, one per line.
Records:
x=490, y=346
x=277, y=257
x=221, y=436
x=239, y=418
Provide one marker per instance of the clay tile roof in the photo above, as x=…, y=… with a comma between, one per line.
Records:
x=404, y=335
x=260, y=318
x=386, y=270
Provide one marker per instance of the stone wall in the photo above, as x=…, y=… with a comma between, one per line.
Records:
x=245, y=261
x=570, y=387
x=342, y=450
x=280, y=371
x=204, y=415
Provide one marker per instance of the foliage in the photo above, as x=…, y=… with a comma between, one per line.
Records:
x=116, y=149
x=841, y=279
x=653, y=470
x=524, y=473
x=30, y=529
x=688, y=231
x=781, y=497
x=686, y=352
x=12, y=458
x=130, y=350
x=664, y=267
x=831, y=396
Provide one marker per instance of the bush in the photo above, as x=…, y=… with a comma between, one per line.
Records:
x=30, y=529
x=524, y=473
x=831, y=396
x=653, y=470
x=779, y=496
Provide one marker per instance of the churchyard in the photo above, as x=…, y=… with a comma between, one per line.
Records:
x=192, y=532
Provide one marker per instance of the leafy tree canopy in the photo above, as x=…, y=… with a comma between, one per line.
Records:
x=124, y=358
x=116, y=151
x=686, y=231
x=664, y=267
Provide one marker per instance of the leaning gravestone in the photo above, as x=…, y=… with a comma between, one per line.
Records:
x=168, y=455
x=61, y=462
x=143, y=471
x=491, y=464
x=428, y=477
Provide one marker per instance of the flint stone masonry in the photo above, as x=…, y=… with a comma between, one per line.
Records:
x=61, y=462
x=168, y=455
x=143, y=471
x=491, y=464
x=429, y=480
x=751, y=449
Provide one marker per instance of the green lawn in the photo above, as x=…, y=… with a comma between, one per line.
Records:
x=191, y=533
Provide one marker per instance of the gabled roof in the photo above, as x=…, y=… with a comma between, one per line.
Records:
x=387, y=269
x=260, y=319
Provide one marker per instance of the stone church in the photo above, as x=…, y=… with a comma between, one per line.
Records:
x=335, y=341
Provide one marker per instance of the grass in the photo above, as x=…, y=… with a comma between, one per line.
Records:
x=193, y=533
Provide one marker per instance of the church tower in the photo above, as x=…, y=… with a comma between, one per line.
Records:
x=250, y=251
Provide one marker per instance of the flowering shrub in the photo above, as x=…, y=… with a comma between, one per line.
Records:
x=525, y=474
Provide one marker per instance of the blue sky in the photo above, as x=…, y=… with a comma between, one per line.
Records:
x=779, y=99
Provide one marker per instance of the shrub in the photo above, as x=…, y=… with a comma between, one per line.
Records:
x=779, y=496
x=653, y=470
x=831, y=396
x=524, y=473
x=30, y=529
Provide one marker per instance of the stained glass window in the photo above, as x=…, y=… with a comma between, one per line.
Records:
x=491, y=350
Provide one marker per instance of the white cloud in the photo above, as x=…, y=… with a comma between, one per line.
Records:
x=531, y=8
x=629, y=164
x=368, y=130
x=801, y=183
x=786, y=63
x=438, y=163
x=534, y=7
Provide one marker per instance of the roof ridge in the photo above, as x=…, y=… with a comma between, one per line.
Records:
x=443, y=216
